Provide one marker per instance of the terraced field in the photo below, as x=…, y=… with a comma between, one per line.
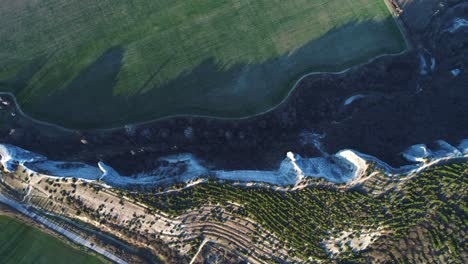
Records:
x=422, y=217
x=22, y=243
x=415, y=218
x=89, y=64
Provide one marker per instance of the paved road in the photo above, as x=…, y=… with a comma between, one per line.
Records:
x=70, y=235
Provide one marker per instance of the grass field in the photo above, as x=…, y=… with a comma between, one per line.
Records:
x=21, y=243
x=105, y=63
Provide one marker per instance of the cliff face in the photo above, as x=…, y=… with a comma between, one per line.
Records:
x=401, y=107
x=342, y=167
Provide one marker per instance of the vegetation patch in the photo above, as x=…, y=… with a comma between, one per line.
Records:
x=434, y=200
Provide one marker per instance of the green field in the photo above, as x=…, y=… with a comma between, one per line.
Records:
x=21, y=243
x=106, y=63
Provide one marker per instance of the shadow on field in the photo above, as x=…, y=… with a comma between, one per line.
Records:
x=24, y=76
x=239, y=91
x=89, y=95
x=409, y=109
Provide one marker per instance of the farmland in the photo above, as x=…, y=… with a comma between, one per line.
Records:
x=26, y=244
x=427, y=211
x=204, y=190
x=383, y=219
x=88, y=64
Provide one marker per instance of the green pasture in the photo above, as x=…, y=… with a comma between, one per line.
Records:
x=21, y=243
x=90, y=64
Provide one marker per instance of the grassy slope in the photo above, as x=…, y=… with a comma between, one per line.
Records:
x=227, y=58
x=435, y=198
x=22, y=243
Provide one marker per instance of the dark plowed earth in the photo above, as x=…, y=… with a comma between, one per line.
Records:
x=404, y=108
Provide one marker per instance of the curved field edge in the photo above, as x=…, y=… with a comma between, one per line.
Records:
x=81, y=105
x=22, y=243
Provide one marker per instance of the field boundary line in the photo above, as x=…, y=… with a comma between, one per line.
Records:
x=17, y=106
x=400, y=25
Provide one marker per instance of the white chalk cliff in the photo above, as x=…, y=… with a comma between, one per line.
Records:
x=342, y=167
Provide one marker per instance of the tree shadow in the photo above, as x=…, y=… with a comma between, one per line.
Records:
x=87, y=96
x=209, y=89
x=24, y=76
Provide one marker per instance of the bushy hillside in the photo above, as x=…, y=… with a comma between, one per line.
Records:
x=431, y=205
